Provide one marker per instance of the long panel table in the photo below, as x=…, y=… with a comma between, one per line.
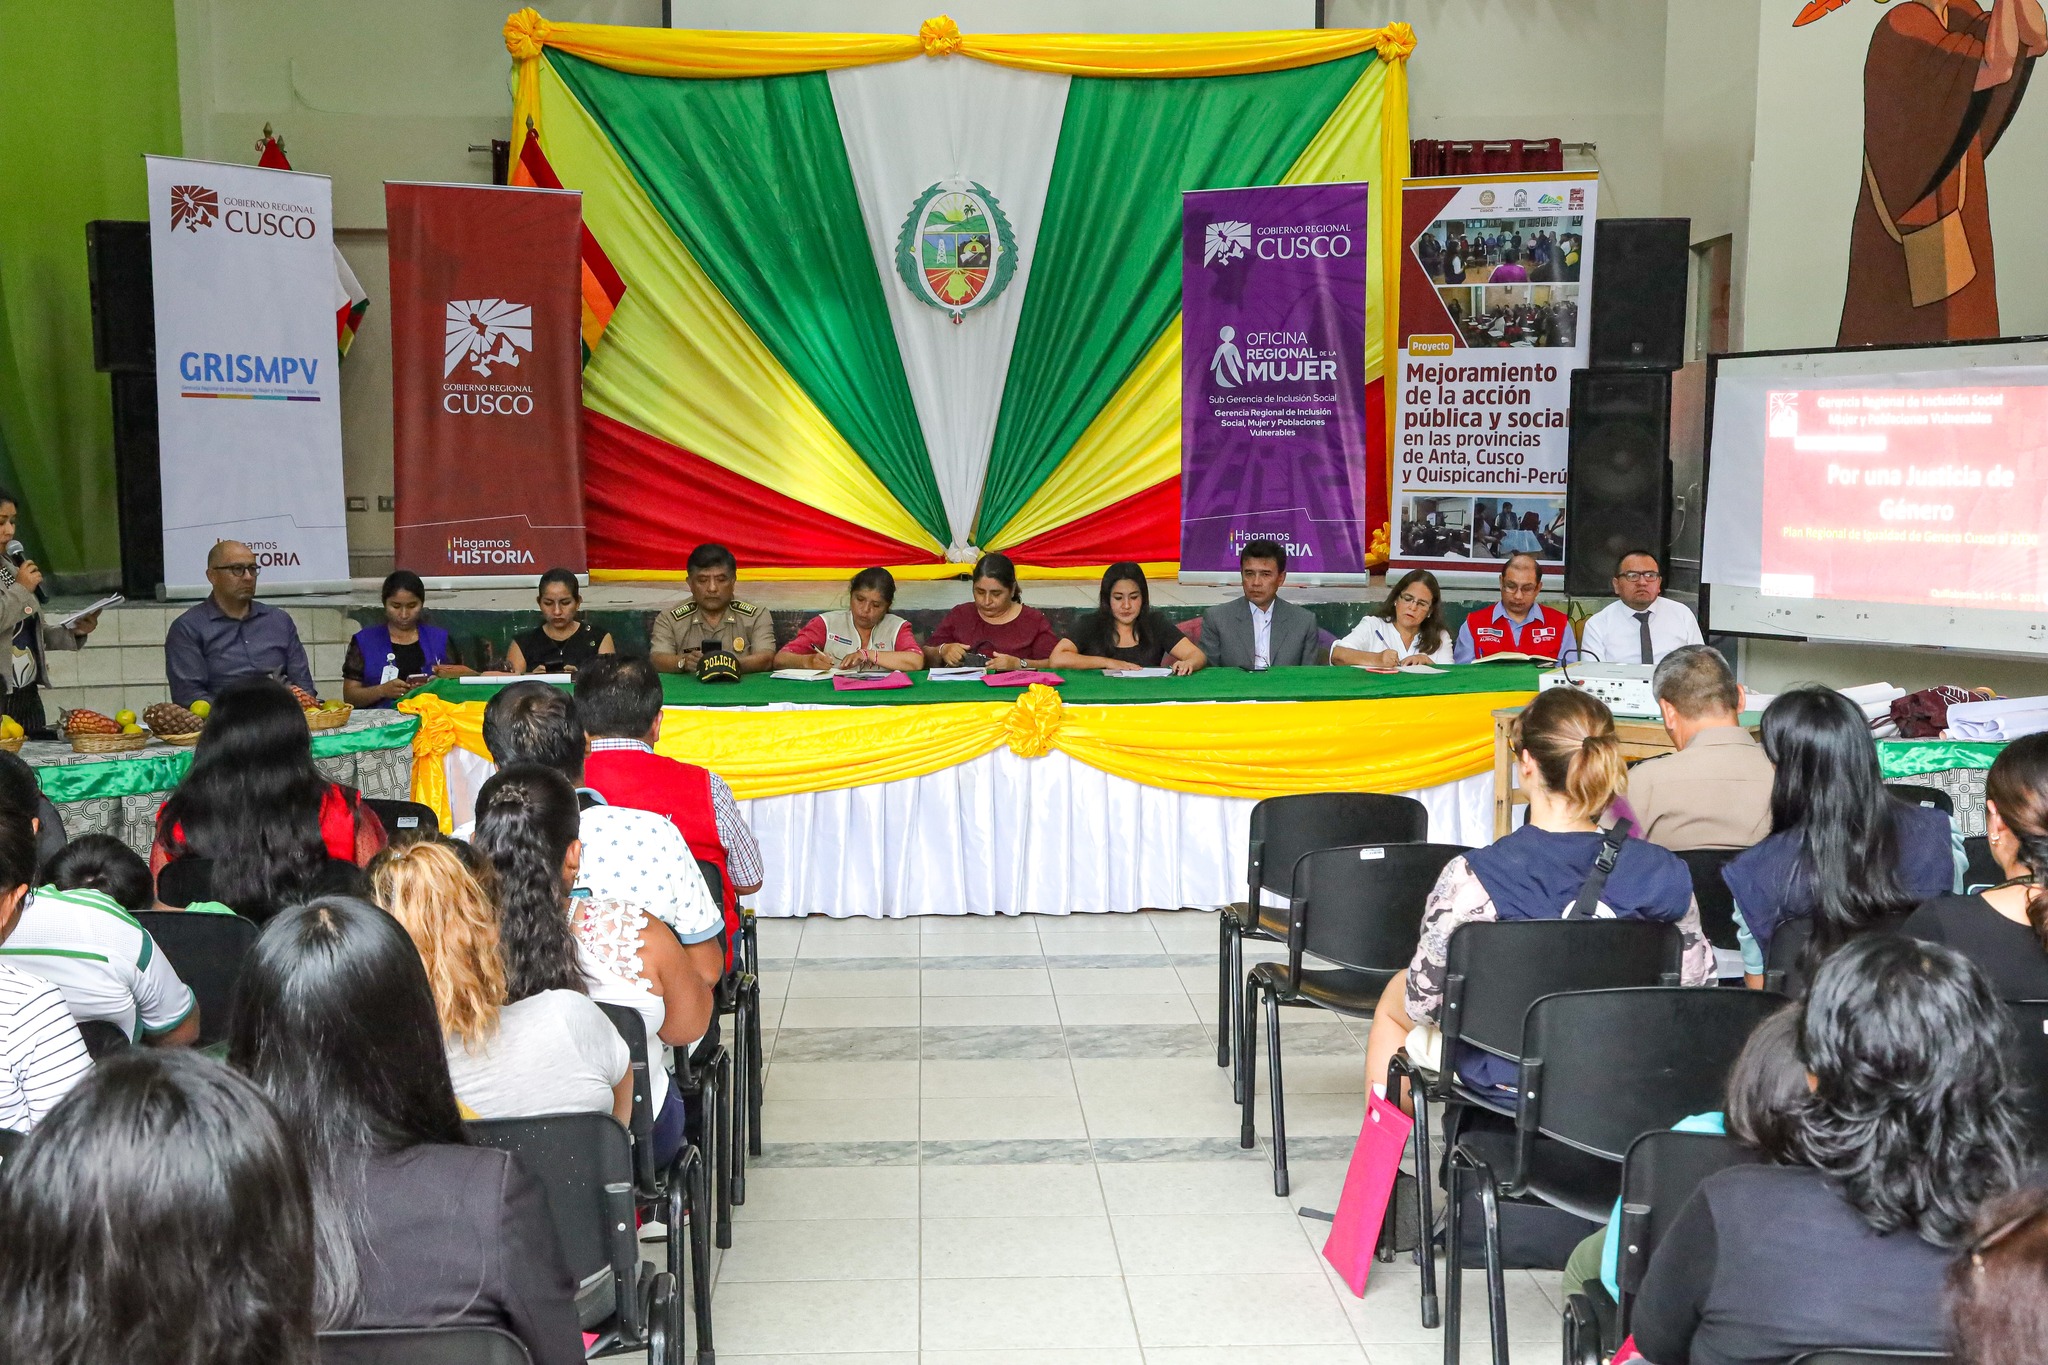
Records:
x=1105, y=794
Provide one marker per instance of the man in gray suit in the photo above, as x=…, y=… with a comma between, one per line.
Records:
x=1259, y=631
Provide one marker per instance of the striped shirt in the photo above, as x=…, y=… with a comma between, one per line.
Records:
x=41, y=1054
x=101, y=959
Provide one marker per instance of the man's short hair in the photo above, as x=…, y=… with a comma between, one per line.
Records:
x=711, y=555
x=618, y=697
x=533, y=722
x=1697, y=681
x=1626, y=555
x=1263, y=549
x=1535, y=564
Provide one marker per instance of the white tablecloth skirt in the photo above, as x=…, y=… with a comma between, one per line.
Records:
x=1003, y=835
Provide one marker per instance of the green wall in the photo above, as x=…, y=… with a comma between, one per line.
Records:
x=89, y=87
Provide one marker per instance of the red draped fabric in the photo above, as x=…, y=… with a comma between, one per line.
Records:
x=1145, y=527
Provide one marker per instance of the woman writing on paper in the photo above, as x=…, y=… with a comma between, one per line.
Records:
x=996, y=626
x=386, y=661
x=1125, y=632
x=865, y=635
x=1407, y=629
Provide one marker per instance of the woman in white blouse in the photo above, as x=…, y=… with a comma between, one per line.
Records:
x=1407, y=629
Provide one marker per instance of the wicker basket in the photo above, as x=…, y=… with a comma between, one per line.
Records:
x=107, y=744
x=184, y=741
x=12, y=745
x=329, y=720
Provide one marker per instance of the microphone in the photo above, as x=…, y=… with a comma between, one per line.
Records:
x=17, y=553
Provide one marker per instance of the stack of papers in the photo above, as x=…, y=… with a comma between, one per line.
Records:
x=500, y=679
x=955, y=674
x=802, y=674
x=1137, y=672
x=2006, y=719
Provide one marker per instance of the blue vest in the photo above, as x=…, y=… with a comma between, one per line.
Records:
x=374, y=644
x=1771, y=884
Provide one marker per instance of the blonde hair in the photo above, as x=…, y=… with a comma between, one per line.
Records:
x=453, y=920
x=1570, y=735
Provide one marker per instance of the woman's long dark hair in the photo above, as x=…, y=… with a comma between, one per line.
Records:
x=1767, y=1087
x=158, y=1216
x=1430, y=638
x=1098, y=631
x=1912, y=1111
x=2018, y=785
x=526, y=818
x=335, y=1021
x=251, y=801
x=1830, y=791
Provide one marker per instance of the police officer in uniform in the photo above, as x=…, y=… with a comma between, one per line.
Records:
x=711, y=621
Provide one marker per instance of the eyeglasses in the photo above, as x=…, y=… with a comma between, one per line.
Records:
x=1409, y=599
x=238, y=570
x=1640, y=576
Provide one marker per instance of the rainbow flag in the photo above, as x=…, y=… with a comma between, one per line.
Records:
x=350, y=300
x=602, y=287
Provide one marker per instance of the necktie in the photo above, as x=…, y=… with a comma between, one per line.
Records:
x=1643, y=624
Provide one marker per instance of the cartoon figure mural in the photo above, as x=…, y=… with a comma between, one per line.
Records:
x=1941, y=82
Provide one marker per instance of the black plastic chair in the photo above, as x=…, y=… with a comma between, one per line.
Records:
x=1932, y=797
x=2030, y=1060
x=1598, y=1070
x=10, y=1143
x=1283, y=828
x=1784, y=960
x=1493, y=972
x=585, y=1164
x=404, y=819
x=1659, y=1174
x=739, y=994
x=1358, y=908
x=1983, y=869
x=1716, y=901
x=680, y=1193
x=103, y=1038
x=208, y=951
x=422, y=1346
x=1860, y=1357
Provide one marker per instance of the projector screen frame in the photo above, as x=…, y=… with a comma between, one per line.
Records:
x=1707, y=590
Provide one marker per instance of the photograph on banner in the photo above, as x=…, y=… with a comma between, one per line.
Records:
x=1495, y=281
x=248, y=398
x=1273, y=438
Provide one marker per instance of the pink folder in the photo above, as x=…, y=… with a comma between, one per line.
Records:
x=1022, y=677
x=846, y=684
x=1368, y=1183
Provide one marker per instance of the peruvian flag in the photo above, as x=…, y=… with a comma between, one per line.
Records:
x=350, y=302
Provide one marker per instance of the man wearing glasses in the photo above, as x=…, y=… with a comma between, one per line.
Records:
x=1644, y=625
x=231, y=635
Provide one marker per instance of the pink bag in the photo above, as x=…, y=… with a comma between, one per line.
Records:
x=1022, y=677
x=842, y=683
x=1368, y=1183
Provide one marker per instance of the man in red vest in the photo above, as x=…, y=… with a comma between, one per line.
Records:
x=619, y=701
x=1518, y=623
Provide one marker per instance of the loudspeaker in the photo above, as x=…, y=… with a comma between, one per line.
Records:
x=138, y=485
x=1639, y=269
x=1618, y=497
x=123, y=301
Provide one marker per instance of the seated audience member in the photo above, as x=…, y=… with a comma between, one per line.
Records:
x=996, y=626
x=1408, y=628
x=1260, y=630
x=1518, y=623
x=1642, y=625
x=1844, y=1242
x=1570, y=764
x=1841, y=850
x=231, y=636
x=254, y=804
x=41, y=1053
x=563, y=641
x=160, y=1217
x=711, y=621
x=20, y=791
x=76, y=933
x=1124, y=632
x=1715, y=791
x=1998, y=1286
x=865, y=635
x=2004, y=928
x=619, y=704
x=388, y=660
x=412, y=1226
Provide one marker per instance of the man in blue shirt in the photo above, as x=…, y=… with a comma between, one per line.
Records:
x=231, y=635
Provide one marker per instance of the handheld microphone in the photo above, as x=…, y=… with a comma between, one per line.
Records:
x=17, y=553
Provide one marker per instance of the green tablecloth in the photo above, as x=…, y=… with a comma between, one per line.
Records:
x=1082, y=688
x=1918, y=757
x=68, y=777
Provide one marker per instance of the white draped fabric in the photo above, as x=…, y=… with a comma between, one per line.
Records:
x=911, y=125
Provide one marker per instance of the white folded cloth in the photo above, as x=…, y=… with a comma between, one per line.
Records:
x=2007, y=718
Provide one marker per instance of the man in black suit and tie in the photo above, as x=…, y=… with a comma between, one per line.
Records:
x=1259, y=631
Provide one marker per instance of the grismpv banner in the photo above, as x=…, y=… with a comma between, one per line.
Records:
x=486, y=381
x=1273, y=412
x=1496, y=292
x=248, y=402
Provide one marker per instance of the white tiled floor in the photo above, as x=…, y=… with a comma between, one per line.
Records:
x=1006, y=1142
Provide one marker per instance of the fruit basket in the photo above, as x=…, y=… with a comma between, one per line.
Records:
x=173, y=724
x=12, y=743
x=321, y=719
x=92, y=733
x=93, y=743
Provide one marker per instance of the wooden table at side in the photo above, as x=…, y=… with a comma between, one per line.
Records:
x=1640, y=738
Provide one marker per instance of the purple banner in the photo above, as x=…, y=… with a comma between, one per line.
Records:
x=1273, y=376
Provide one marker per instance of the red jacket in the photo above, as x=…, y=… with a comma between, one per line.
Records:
x=682, y=792
x=1544, y=632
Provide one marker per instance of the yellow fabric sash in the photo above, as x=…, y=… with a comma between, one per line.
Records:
x=1246, y=749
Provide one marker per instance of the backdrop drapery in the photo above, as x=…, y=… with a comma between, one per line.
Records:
x=752, y=188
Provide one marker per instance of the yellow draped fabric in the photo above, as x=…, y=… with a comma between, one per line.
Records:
x=1252, y=749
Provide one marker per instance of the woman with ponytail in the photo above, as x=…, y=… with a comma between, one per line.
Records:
x=1570, y=764
x=2004, y=928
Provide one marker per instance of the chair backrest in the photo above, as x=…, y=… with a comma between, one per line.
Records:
x=1860, y=1357
x=1716, y=901
x=633, y=1029
x=208, y=952
x=423, y=1346
x=103, y=1038
x=585, y=1163
x=1494, y=971
x=1285, y=827
x=1659, y=1174
x=1983, y=869
x=1785, y=959
x=1601, y=1068
x=1933, y=797
x=184, y=880
x=404, y=819
x=714, y=880
x=1361, y=906
x=10, y=1143
x=2030, y=1061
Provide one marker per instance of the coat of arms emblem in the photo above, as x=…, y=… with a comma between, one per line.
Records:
x=956, y=250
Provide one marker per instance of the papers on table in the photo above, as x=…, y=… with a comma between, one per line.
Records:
x=1137, y=672
x=2006, y=719
x=1423, y=669
x=83, y=612
x=500, y=679
x=955, y=675
x=802, y=674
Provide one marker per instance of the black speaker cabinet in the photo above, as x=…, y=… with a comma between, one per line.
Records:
x=1639, y=269
x=138, y=485
x=1619, y=495
x=123, y=305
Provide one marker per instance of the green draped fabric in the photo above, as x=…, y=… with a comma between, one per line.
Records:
x=752, y=176
x=1899, y=758
x=1107, y=278
x=161, y=767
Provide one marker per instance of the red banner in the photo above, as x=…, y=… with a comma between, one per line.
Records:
x=486, y=379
